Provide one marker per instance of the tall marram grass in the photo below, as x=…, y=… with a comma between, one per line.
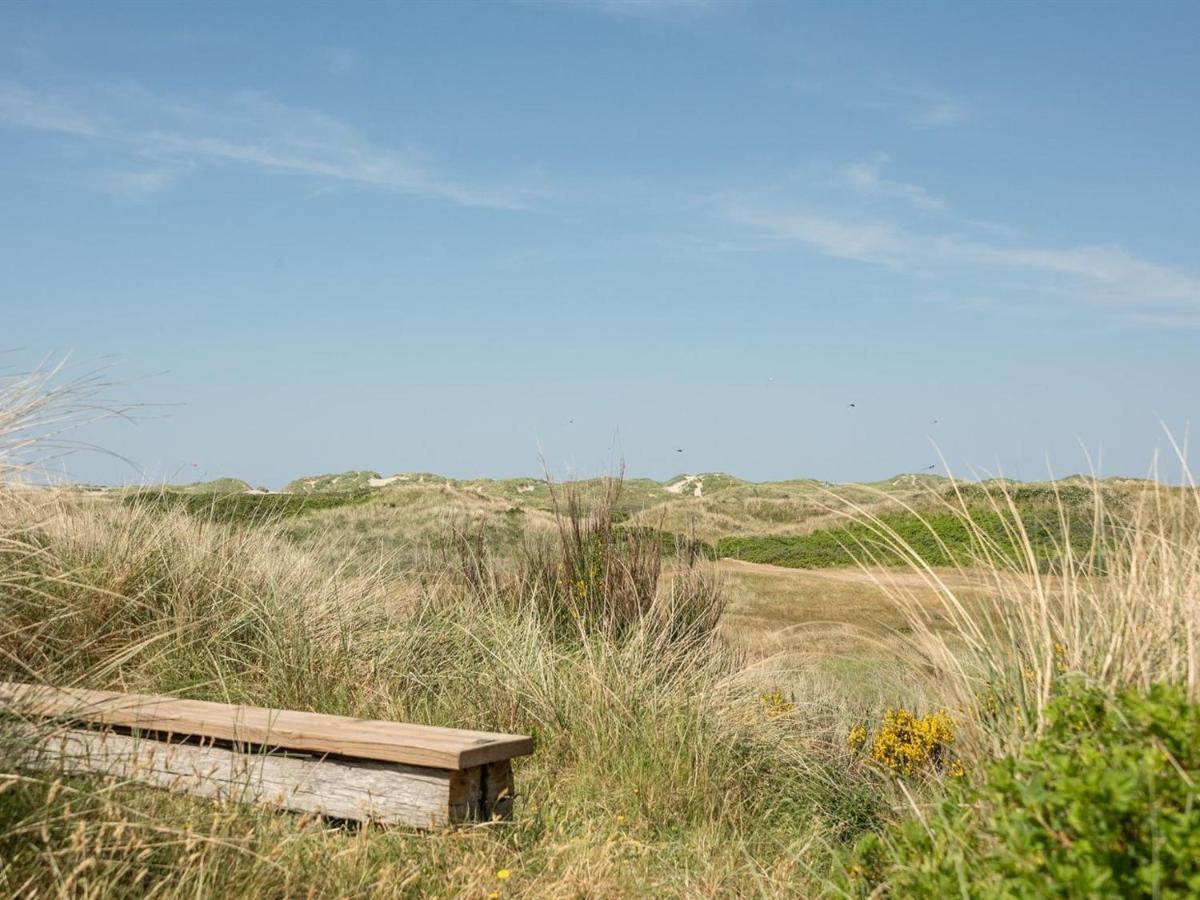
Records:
x=588, y=576
x=656, y=769
x=1120, y=609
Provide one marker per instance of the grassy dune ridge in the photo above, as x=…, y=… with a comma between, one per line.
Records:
x=803, y=524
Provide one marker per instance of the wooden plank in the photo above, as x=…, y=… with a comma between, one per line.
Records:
x=417, y=745
x=386, y=793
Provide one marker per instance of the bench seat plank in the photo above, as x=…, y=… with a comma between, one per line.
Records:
x=395, y=742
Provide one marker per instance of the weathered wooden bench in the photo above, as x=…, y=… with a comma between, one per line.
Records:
x=337, y=766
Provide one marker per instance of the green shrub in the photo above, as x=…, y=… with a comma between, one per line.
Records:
x=672, y=545
x=1106, y=803
x=940, y=539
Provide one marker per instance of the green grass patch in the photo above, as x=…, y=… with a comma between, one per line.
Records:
x=674, y=545
x=940, y=539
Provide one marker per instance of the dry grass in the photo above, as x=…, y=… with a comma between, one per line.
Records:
x=41, y=409
x=671, y=760
x=999, y=634
x=656, y=768
x=400, y=525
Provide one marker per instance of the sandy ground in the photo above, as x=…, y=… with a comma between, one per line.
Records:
x=681, y=487
x=384, y=482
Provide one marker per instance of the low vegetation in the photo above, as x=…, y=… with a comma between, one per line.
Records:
x=1039, y=733
x=654, y=758
x=245, y=507
x=952, y=538
x=339, y=483
x=1105, y=802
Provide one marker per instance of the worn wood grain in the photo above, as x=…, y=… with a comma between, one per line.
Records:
x=386, y=793
x=416, y=745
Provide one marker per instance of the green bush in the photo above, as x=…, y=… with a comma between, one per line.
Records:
x=940, y=539
x=1106, y=803
x=673, y=545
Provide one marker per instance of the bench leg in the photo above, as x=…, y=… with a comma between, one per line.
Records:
x=498, y=790
x=482, y=794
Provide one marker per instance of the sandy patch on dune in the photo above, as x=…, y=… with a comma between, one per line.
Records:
x=681, y=486
x=384, y=482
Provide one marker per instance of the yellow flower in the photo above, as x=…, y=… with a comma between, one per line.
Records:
x=620, y=818
x=504, y=874
x=493, y=895
x=907, y=742
x=857, y=737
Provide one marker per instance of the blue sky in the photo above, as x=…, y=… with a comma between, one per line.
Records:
x=448, y=237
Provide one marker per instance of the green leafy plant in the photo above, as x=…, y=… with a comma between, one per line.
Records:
x=1105, y=803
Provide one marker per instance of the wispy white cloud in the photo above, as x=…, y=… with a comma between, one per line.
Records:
x=247, y=129
x=1112, y=273
x=880, y=243
x=866, y=179
x=21, y=107
x=1103, y=274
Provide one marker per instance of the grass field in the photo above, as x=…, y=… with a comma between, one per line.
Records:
x=703, y=727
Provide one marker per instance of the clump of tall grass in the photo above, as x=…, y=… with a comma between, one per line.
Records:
x=40, y=408
x=589, y=575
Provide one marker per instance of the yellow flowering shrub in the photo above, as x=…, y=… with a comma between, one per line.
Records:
x=857, y=738
x=907, y=743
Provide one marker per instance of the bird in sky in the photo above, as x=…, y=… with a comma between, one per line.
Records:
x=852, y=406
x=678, y=451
